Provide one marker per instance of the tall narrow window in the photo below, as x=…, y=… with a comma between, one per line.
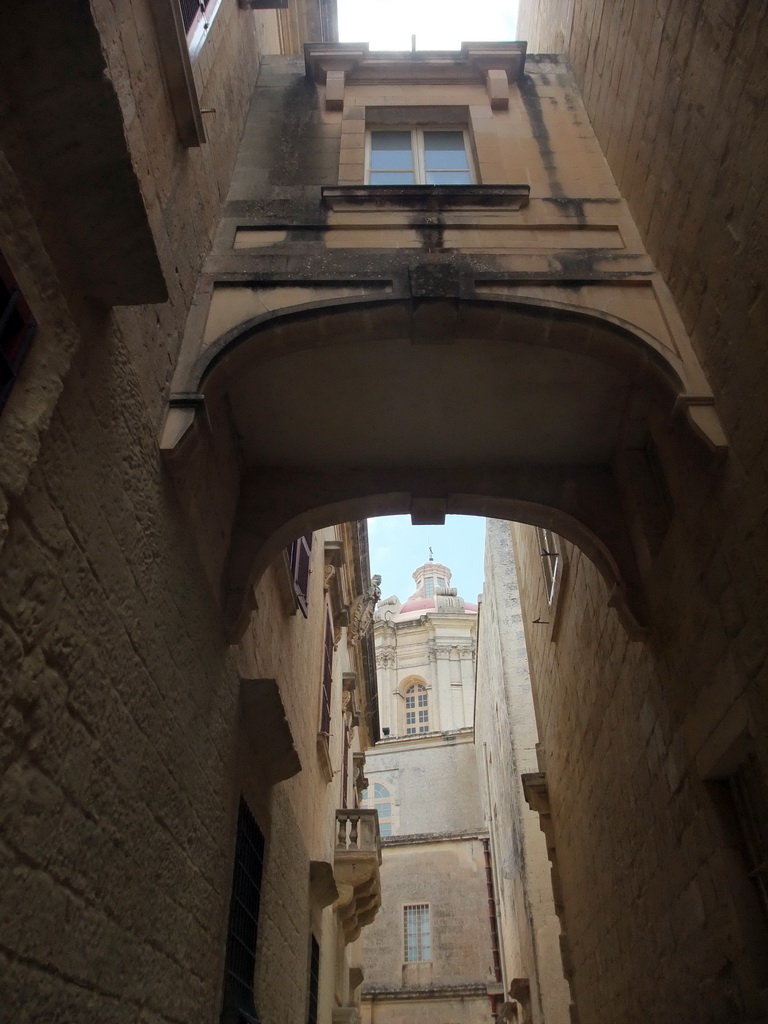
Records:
x=299, y=557
x=17, y=328
x=325, y=710
x=418, y=940
x=416, y=709
x=242, y=932
x=418, y=156
x=314, y=979
x=380, y=799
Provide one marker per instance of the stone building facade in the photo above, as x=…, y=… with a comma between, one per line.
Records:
x=432, y=954
x=225, y=346
x=152, y=775
x=425, y=657
x=654, y=753
x=505, y=744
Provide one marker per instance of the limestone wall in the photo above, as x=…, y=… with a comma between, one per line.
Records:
x=633, y=732
x=121, y=760
x=449, y=875
x=505, y=742
x=433, y=783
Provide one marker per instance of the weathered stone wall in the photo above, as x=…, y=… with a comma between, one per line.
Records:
x=433, y=783
x=121, y=759
x=449, y=875
x=505, y=739
x=120, y=704
x=631, y=731
x=650, y=884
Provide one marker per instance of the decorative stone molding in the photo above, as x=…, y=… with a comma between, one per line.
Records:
x=361, y=612
x=356, y=868
x=385, y=659
x=349, y=700
x=497, y=86
x=333, y=582
x=265, y=724
x=359, y=779
x=358, y=65
x=421, y=198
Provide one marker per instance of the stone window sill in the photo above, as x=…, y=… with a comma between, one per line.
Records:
x=425, y=197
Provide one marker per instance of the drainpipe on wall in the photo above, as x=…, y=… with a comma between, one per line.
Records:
x=495, y=887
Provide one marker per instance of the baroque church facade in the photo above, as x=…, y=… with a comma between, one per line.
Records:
x=232, y=272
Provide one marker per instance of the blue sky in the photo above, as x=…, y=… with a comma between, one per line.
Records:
x=397, y=548
x=437, y=24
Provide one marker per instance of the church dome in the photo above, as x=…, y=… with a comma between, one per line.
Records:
x=433, y=594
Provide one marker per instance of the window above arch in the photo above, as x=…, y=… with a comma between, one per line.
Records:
x=379, y=798
x=418, y=156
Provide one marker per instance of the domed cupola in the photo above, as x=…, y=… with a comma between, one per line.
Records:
x=434, y=593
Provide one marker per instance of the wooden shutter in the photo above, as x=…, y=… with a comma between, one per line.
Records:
x=299, y=556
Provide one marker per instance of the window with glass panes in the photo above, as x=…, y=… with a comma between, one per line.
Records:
x=418, y=940
x=379, y=798
x=416, y=709
x=418, y=156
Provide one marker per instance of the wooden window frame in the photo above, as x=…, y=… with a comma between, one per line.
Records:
x=417, y=150
x=327, y=682
x=300, y=565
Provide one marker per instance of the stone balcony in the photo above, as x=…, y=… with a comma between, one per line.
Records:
x=356, y=869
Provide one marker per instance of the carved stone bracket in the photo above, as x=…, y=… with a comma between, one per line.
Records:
x=361, y=612
x=360, y=781
x=322, y=884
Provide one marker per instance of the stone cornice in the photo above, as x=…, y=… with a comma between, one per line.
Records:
x=360, y=66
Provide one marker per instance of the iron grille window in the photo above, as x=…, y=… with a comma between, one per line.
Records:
x=193, y=11
x=17, y=328
x=299, y=556
x=242, y=932
x=314, y=979
x=418, y=940
x=325, y=711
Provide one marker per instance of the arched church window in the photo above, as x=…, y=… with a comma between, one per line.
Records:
x=379, y=798
x=416, y=709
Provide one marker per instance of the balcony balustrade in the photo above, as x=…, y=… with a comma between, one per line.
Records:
x=356, y=868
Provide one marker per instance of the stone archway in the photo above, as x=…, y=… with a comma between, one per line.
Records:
x=363, y=406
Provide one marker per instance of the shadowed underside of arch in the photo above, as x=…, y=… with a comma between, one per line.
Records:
x=428, y=407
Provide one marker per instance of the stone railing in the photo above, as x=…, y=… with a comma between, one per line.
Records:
x=356, y=868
